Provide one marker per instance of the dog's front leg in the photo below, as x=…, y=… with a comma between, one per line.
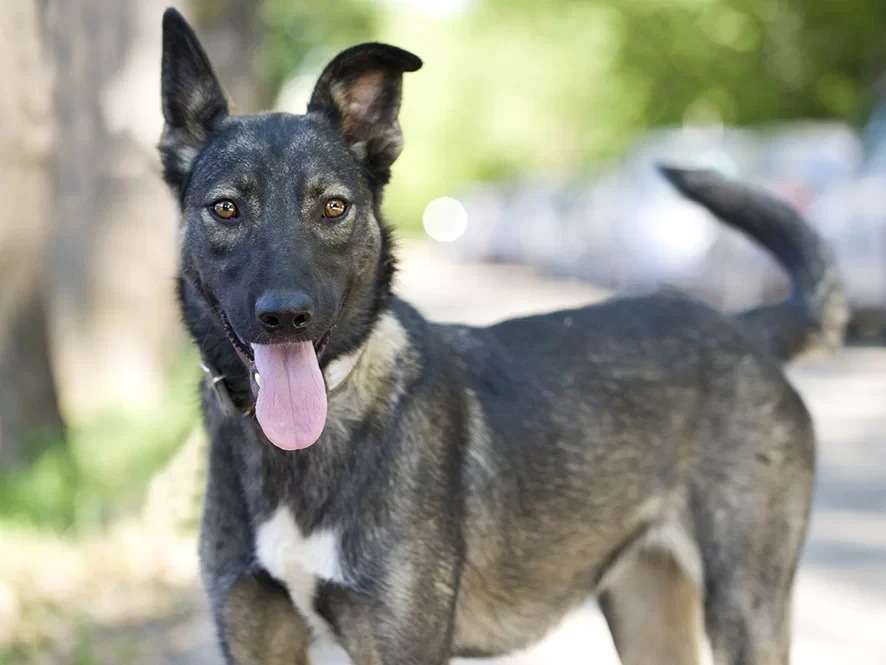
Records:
x=256, y=621
x=409, y=623
x=259, y=625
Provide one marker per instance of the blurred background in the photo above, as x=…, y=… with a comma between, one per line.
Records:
x=527, y=183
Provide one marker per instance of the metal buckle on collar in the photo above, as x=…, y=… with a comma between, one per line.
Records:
x=220, y=389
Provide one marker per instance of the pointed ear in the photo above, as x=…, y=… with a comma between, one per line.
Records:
x=193, y=101
x=359, y=91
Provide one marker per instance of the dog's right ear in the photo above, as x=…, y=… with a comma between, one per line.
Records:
x=359, y=93
x=193, y=101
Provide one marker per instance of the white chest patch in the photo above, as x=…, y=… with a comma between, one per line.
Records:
x=299, y=562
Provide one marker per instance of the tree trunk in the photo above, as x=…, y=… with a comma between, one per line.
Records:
x=112, y=316
x=28, y=404
x=87, y=307
x=231, y=31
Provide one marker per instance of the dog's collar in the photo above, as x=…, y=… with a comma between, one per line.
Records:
x=218, y=386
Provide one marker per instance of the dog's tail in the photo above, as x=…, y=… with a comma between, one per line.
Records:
x=816, y=312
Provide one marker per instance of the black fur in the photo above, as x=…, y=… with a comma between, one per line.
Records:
x=193, y=102
x=816, y=311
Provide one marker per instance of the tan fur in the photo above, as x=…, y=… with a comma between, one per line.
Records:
x=667, y=533
x=654, y=611
x=830, y=296
x=368, y=374
x=493, y=616
x=261, y=626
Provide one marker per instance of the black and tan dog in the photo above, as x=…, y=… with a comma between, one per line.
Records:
x=407, y=491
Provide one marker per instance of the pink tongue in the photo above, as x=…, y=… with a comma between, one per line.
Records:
x=291, y=406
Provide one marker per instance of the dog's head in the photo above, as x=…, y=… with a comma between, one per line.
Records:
x=282, y=236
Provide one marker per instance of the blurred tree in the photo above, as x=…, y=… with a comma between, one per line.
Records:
x=231, y=31
x=90, y=248
x=549, y=89
x=28, y=404
x=112, y=313
x=295, y=28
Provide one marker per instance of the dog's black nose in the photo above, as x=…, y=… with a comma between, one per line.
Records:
x=279, y=311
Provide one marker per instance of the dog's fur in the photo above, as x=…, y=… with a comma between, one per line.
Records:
x=472, y=485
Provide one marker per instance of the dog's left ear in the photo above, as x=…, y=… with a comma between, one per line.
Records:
x=194, y=103
x=359, y=92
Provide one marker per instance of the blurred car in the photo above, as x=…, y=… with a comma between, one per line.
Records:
x=628, y=230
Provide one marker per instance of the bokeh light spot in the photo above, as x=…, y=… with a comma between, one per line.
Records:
x=445, y=219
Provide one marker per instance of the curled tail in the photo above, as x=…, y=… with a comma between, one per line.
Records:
x=816, y=312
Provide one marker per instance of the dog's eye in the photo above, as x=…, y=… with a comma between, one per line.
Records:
x=335, y=208
x=225, y=209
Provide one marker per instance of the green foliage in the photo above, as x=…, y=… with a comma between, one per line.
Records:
x=104, y=464
x=295, y=28
x=551, y=89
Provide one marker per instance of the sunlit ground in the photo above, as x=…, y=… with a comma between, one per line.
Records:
x=129, y=593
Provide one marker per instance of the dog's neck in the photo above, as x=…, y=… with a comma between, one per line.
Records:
x=372, y=377
x=366, y=393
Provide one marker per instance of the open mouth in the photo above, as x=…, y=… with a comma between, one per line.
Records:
x=239, y=345
x=245, y=351
x=288, y=386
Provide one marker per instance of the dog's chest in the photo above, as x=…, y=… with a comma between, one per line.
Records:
x=300, y=562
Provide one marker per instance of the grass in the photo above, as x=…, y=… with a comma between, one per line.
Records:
x=118, y=595
x=101, y=565
x=101, y=468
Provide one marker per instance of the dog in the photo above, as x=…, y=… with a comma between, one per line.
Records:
x=399, y=492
